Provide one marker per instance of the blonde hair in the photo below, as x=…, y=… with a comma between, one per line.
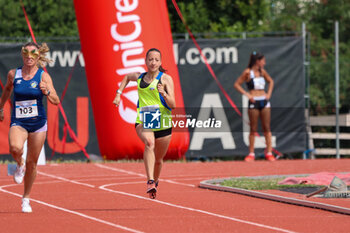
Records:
x=43, y=49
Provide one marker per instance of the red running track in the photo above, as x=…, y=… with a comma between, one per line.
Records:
x=111, y=198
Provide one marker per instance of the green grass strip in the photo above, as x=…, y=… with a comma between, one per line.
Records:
x=260, y=184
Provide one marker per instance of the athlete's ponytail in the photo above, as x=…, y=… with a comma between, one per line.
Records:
x=161, y=69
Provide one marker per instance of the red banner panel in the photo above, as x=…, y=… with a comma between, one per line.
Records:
x=115, y=36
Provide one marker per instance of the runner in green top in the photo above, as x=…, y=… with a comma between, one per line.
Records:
x=150, y=99
x=157, y=97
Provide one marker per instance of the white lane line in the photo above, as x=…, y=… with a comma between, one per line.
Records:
x=179, y=183
x=108, y=179
x=36, y=183
x=199, y=178
x=141, y=175
x=119, y=170
x=126, y=183
x=67, y=180
x=103, y=187
x=72, y=212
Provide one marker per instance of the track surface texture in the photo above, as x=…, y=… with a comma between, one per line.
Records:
x=111, y=197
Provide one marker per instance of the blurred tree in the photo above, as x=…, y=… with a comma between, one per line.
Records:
x=320, y=16
x=48, y=18
x=207, y=16
x=195, y=13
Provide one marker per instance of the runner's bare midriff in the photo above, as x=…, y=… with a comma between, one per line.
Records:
x=257, y=92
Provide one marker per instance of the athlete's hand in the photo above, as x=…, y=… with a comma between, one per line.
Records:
x=251, y=98
x=267, y=96
x=116, y=100
x=161, y=90
x=43, y=88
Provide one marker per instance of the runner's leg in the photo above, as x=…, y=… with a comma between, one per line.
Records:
x=35, y=144
x=17, y=137
x=265, y=123
x=253, y=119
x=161, y=147
x=147, y=137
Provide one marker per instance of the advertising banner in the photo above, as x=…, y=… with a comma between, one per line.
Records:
x=215, y=129
x=204, y=99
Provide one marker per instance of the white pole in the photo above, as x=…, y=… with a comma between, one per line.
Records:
x=337, y=88
x=306, y=95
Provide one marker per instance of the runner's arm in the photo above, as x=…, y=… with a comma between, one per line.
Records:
x=166, y=89
x=123, y=84
x=48, y=89
x=238, y=84
x=7, y=91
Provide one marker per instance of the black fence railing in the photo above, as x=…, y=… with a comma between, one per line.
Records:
x=201, y=35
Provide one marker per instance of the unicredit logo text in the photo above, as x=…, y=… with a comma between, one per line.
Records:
x=127, y=44
x=126, y=32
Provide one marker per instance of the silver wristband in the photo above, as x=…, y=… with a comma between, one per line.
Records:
x=119, y=91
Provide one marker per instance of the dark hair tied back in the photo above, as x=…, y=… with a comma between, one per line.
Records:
x=254, y=57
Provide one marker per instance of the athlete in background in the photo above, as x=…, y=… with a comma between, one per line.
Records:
x=255, y=77
x=156, y=94
x=28, y=120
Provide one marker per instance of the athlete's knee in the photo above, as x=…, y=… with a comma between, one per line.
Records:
x=149, y=143
x=266, y=126
x=31, y=165
x=158, y=162
x=16, y=150
x=267, y=132
x=253, y=130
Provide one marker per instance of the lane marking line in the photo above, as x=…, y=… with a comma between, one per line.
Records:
x=103, y=187
x=72, y=212
x=126, y=183
x=106, y=179
x=119, y=170
x=67, y=180
x=142, y=175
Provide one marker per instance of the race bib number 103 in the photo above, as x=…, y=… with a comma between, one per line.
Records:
x=27, y=108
